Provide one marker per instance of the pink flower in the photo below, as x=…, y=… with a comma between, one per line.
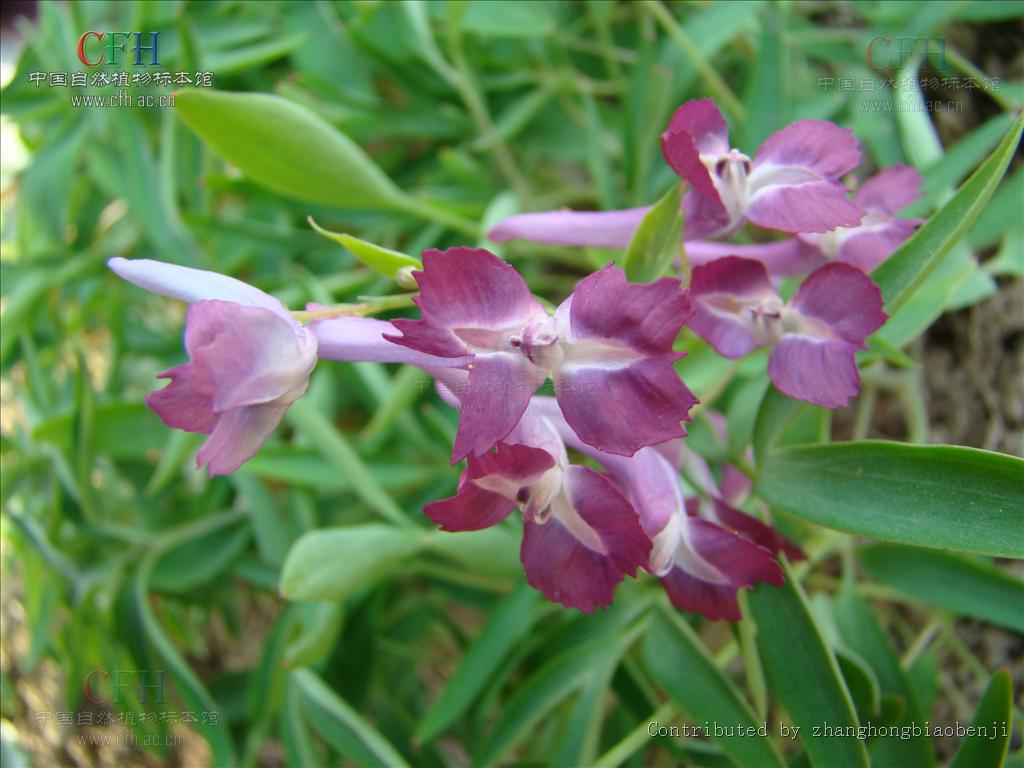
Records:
x=871, y=242
x=814, y=338
x=608, y=349
x=249, y=359
x=580, y=535
x=791, y=185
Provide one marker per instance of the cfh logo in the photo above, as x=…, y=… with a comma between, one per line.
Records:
x=892, y=52
x=102, y=687
x=96, y=48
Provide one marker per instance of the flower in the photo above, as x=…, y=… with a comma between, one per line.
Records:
x=249, y=359
x=580, y=535
x=814, y=338
x=701, y=564
x=791, y=185
x=880, y=233
x=608, y=349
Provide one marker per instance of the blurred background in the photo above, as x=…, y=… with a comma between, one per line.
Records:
x=137, y=591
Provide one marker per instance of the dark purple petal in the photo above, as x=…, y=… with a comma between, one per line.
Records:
x=814, y=370
x=700, y=120
x=500, y=386
x=239, y=433
x=729, y=298
x=755, y=530
x=706, y=216
x=470, y=300
x=712, y=565
x=645, y=317
x=890, y=190
x=489, y=487
x=620, y=410
x=844, y=299
x=590, y=541
x=598, y=229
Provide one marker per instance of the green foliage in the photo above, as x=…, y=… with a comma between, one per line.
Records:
x=305, y=599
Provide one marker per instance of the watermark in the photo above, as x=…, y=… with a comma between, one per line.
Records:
x=104, y=687
x=120, y=79
x=98, y=48
x=106, y=718
x=891, y=84
x=129, y=739
x=893, y=52
x=910, y=105
x=997, y=729
x=121, y=100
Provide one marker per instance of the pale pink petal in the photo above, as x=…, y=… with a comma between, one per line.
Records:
x=192, y=285
x=237, y=436
x=814, y=370
x=890, y=190
x=598, y=229
x=362, y=339
x=803, y=206
x=782, y=258
x=866, y=248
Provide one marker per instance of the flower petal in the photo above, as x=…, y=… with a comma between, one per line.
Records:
x=696, y=128
x=591, y=540
x=499, y=389
x=184, y=403
x=866, y=248
x=728, y=297
x=815, y=370
x=890, y=190
x=793, y=185
x=471, y=301
x=489, y=487
x=598, y=229
x=239, y=433
x=782, y=258
x=192, y=285
x=843, y=298
x=711, y=566
x=246, y=355
x=362, y=339
x=756, y=531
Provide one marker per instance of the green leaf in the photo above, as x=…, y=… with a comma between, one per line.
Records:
x=906, y=269
x=948, y=581
x=389, y=263
x=504, y=18
x=995, y=712
x=287, y=148
x=319, y=627
x=930, y=496
x=657, y=241
x=677, y=659
x=510, y=621
x=861, y=631
x=794, y=652
x=341, y=726
x=330, y=565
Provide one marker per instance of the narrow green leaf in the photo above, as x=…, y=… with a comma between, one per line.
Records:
x=510, y=621
x=917, y=257
x=931, y=496
x=657, y=241
x=949, y=581
x=287, y=148
x=995, y=714
x=861, y=631
x=679, y=662
x=794, y=652
x=389, y=263
x=319, y=626
x=331, y=564
x=341, y=726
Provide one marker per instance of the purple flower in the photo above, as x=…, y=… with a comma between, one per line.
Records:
x=701, y=564
x=814, y=337
x=249, y=359
x=580, y=535
x=608, y=349
x=871, y=242
x=791, y=185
